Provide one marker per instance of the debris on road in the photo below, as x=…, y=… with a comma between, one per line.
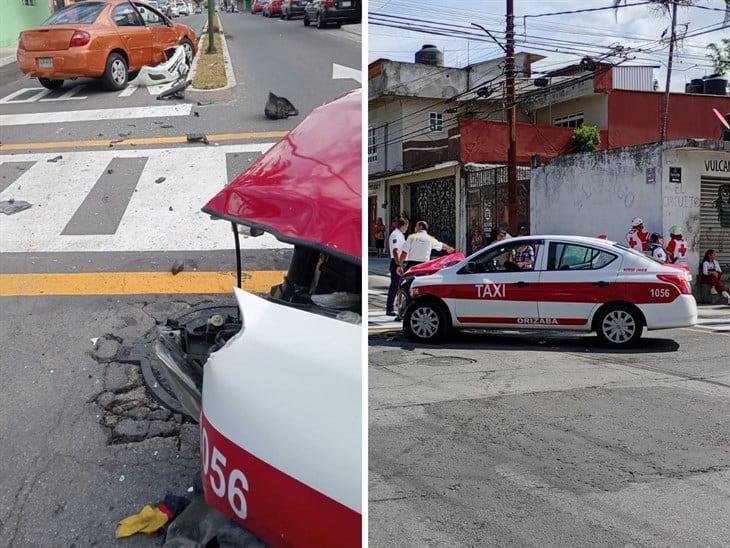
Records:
x=197, y=138
x=55, y=159
x=204, y=103
x=177, y=267
x=109, y=171
x=201, y=525
x=11, y=206
x=151, y=519
x=167, y=126
x=160, y=180
x=177, y=91
x=279, y=108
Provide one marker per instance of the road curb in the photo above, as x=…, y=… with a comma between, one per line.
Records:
x=230, y=76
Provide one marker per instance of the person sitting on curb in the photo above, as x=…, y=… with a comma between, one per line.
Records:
x=712, y=275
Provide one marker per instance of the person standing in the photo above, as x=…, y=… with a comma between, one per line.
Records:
x=677, y=247
x=379, y=237
x=638, y=236
x=396, y=242
x=420, y=244
x=712, y=275
x=656, y=248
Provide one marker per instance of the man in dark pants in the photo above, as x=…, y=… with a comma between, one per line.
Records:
x=395, y=246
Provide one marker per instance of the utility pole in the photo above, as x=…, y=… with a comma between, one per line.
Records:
x=665, y=103
x=211, y=24
x=511, y=120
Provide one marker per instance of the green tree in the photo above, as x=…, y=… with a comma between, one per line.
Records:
x=586, y=139
x=720, y=56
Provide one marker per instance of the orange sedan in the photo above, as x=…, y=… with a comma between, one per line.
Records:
x=110, y=40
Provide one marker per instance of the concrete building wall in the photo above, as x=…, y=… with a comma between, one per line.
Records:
x=417, y=80
x=593, y=107
x=590, y=194
x=16, y=16
x=386, y=117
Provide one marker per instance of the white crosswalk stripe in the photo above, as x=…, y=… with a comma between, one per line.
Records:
x=714, y=325
x=41, y=94
x=158, y=216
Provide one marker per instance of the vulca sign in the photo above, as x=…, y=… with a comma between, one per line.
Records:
x=718, y=166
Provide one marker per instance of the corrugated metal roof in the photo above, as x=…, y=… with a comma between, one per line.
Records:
x=633, y=78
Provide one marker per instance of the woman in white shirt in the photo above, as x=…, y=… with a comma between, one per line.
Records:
x=712, y=274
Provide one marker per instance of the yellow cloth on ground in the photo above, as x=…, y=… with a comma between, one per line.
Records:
x=148, y=520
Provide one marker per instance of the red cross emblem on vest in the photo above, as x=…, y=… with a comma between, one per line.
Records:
x=682, y=249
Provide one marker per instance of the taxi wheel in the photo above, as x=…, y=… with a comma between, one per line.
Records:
x=50, y=84
x=425, y=322
x=619, y=326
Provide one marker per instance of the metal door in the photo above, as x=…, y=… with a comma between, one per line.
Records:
x=434, y=201
x=715, y=219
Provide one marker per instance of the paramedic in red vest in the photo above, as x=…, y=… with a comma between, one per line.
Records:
x=638, y=236
x=677, y=247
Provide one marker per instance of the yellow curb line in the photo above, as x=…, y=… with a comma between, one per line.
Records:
x=142, y=141
x=134, y=283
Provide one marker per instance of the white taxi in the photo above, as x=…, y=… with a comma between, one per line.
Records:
x=552, y=282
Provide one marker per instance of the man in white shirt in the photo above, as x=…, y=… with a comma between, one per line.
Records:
x=396, y=240
x=419, y=245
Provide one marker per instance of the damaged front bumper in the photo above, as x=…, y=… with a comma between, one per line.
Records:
x=173, y=69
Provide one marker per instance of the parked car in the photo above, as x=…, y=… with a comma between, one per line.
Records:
x=174, y=10
x=105, y=40
x=198, y=9
x=152, y=3
x=272, y=8
x=281, y=423
x=292, y=8
x=165, y=6
x=332, y=12
x=553, y=282
x=183, y=8
x=257, y=6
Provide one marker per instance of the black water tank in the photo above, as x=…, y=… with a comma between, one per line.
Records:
x=430, y=55
x=715, y=85
x=694, y=88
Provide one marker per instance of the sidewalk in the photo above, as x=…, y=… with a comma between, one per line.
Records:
x=7, y=55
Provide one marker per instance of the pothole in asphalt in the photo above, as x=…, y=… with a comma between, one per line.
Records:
x=135, y=404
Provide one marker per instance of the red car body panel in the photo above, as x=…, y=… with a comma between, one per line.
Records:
x=306, y=188
x=431, y=267
x=275, y=7
x=257, y=6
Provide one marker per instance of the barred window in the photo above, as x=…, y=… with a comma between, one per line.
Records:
x=436, y=121
x=372, y=147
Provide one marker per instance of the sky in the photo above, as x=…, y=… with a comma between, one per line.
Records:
x=629, y=26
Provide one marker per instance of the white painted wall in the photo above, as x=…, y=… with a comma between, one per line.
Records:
x=590, y=194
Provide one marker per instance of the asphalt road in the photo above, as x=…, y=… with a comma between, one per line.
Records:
x=119, y=215
x=550, y=440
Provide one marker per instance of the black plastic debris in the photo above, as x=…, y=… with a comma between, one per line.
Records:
x=279, y=108
x=11, y=206
x=204, y=103
x=109, y=171
x=196, y=114
x=160, y=180
x=177, y=91
x=167, y=126
x=197, y=138
x=201, y=526
x=55, y=159
x=177, y=267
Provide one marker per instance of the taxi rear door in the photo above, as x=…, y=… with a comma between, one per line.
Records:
x=490, y=292
x=577, y=279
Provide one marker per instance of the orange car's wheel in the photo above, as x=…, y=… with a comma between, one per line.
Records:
x=116, y=74
x=188, y=47
x=51, y=84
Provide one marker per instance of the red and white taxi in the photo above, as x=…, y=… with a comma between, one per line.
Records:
x=277, y=385
x=553, y=282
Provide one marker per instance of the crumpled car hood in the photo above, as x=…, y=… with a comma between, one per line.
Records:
x=306, y=189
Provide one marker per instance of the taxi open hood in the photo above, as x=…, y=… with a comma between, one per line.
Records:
x=306, y=189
